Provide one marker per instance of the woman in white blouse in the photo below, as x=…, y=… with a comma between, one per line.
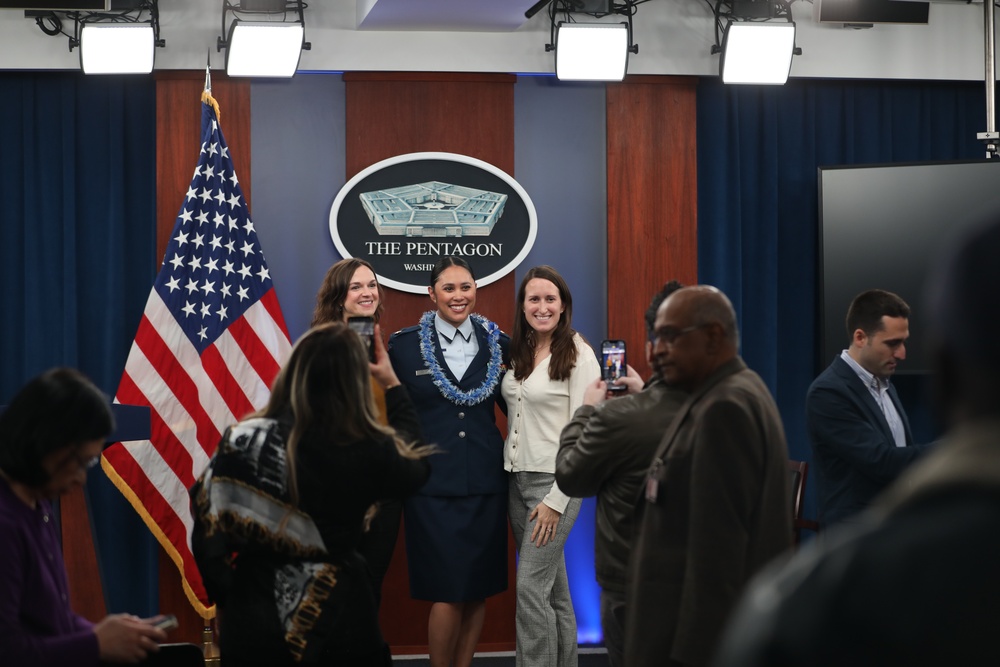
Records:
x=552, y=365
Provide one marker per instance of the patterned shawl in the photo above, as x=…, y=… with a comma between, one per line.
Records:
x=240, y=504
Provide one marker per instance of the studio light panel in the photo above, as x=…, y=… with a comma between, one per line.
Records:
x=264, y=49
x=591, y=51
x=116, y=48
x=757, y=52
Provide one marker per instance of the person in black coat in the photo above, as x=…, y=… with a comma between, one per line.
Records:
x=456, y=525
x=351, y=289
x=280, y=510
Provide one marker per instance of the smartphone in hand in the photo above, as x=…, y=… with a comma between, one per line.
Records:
x=365, y=327
x=613, y=363
x=167, y=622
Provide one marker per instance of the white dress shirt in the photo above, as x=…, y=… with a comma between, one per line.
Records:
x=879, y=389
x=537, y=410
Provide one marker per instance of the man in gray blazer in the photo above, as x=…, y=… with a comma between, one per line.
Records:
x=716, y=504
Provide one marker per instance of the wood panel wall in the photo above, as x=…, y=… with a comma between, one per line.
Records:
x=391, y=114
x=86, y=594
x=652, y=198
x=178, y=142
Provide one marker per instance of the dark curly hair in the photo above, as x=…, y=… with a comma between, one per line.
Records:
x=654, y=305
x=59, y=409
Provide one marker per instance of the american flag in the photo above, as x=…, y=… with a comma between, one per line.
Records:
x=211, y=340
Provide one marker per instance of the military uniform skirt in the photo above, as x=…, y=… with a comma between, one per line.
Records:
x=456, y=546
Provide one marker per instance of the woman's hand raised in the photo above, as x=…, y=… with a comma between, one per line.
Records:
x=381, y=368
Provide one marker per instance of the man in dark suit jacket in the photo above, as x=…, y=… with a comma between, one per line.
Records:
x=716, y=504
x=859, y=432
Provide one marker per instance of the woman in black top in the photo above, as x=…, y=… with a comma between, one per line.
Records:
x=280, y=510
x=351, y=289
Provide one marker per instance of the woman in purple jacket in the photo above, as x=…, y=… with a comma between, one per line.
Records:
x=51, y=433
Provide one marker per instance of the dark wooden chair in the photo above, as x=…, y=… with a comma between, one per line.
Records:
x=799, y=471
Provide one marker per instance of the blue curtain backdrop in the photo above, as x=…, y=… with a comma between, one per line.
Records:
x=759, y=148
x=78, y=231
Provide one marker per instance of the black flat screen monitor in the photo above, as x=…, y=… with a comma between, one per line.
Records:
x=863, y=12
x=57, y=5
x=885, y=226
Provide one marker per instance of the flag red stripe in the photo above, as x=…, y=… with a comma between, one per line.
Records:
x=162, y=438
x=228, y=387
x=159, y=510
x=246, y=338
x=176, y=378
x=270, y=302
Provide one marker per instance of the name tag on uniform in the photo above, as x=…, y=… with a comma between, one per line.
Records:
x=425, y=371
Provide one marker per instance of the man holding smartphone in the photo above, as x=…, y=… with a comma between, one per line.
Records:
x=605, y=450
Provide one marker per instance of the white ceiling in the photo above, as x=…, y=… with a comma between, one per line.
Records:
x=443, y=15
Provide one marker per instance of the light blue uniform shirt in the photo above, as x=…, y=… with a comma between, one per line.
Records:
x=459, y=346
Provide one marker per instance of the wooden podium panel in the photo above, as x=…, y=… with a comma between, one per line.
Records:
x=86, y=593
x=652, y=197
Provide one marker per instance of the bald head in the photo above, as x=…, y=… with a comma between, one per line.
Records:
x=696, y=333
x=963, y=321
x=709, y=305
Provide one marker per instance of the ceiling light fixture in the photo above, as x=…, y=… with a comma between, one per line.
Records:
x=758, y=41
x=589, y=51
x=270, y=47
x=117, y=48
x=119, y=40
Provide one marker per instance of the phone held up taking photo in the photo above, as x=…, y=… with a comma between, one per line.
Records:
x=613, y=363
x=365, y=327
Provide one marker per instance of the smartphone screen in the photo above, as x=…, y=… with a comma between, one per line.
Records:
x=168, y=622
x=365, y=327
x=613, y=363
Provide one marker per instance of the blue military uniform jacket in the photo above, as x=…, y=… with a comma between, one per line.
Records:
x=470, y=461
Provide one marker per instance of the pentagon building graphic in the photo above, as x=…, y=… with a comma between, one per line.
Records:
x=433, y=209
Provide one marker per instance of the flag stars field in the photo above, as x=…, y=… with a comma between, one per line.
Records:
x=214, y=200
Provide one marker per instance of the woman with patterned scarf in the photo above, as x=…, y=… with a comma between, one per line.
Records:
x=281, y=508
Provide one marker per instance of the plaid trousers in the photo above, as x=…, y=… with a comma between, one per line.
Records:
x=545, y=621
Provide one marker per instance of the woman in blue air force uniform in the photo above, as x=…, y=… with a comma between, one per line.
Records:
x=456, y=526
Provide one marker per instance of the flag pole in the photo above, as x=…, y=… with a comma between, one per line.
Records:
x=206, y=95
x=210, y=650
x=208, y=70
